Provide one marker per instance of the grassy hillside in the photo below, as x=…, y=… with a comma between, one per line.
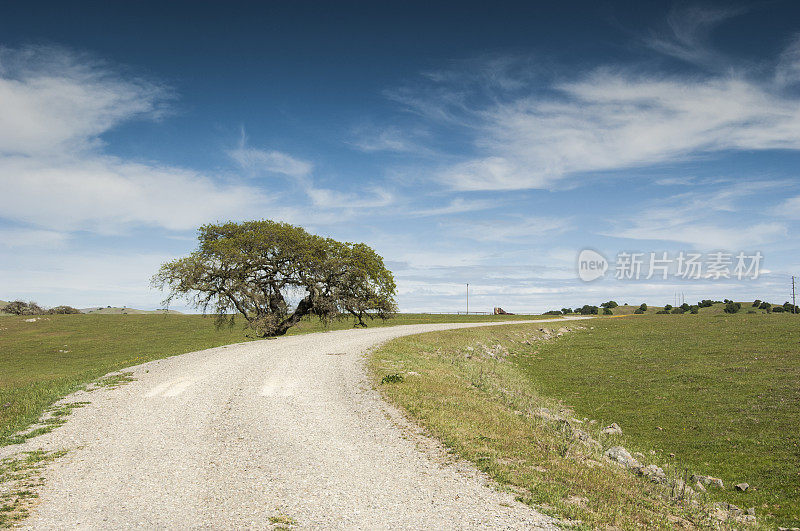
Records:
x=45, y=360
x=723, y=389
x=713, y=394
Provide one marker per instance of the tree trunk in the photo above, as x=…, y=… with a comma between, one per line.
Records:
x=303, y=308
x=360, y=317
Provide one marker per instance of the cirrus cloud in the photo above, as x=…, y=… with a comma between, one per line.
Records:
x=55, y=106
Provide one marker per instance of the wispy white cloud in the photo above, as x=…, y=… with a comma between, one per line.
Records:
x=511, y=229
x=53, y=100
x=374, y=139
x=790, y=208
x=714, y=219
x=301, y=173
x=707, y=236
x=107, y=194
x=675, y=181
x=535, y=133
x=373, y=198
x=788, y=70
x=23, y=237
x=689, y=29
x=55, y=105
x=614, y=120
x=259, y=161
x=459, y=205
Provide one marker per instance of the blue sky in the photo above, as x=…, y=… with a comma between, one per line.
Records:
x=465, y=142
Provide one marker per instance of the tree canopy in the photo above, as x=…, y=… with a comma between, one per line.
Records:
x=256, y=268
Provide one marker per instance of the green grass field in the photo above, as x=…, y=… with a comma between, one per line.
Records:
x=720, y=392
x=725, y=389
x=45, y=360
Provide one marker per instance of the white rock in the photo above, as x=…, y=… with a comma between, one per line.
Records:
x=620, y=455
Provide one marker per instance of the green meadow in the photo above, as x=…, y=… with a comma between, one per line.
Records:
x=712, y=394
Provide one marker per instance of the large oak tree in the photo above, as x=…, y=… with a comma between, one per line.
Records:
x=257, y=268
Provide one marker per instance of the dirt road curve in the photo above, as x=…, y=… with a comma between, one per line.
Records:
x=229, y=437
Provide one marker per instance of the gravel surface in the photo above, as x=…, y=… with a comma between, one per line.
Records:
x=231, y=436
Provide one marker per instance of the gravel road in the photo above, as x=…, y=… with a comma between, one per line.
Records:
x=231, y=436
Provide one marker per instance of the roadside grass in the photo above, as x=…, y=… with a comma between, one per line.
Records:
x=465, y=389
x=52, y=418
x=43, y=361
x=112, y=381
x=19, y=479
x=282, y=521
x=720, y=392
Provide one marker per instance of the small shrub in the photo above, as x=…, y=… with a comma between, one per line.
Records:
x=778, y=309
x=607, y=311
x=662, y=311
x=23, y=308
x=566, y=310
x=685, y=307
x=63, y=310
x=765, y=306
x=678, y=310
x=643, y=307
x=732, y=307
x=705, y=303
x=392, y=378
x=668, y=307
x=553, y=312
x=757, y=303
x=610, y=304
x=694, y=309
x=638, y=311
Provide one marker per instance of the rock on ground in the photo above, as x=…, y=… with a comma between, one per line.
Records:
x=620, y=455
x=614, y=429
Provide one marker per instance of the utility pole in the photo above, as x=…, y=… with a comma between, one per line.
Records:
x=794, y=303
x=467, y=298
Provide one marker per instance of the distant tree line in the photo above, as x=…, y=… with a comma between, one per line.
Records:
x=729, y=307
x=31, y=308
